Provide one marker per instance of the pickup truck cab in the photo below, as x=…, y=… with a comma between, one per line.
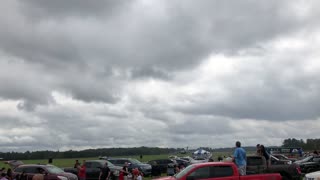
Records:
x=217, y=171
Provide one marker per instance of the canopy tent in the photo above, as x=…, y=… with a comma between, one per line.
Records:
x=200, y=152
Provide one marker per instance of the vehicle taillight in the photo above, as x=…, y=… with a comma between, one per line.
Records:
x=298, y=170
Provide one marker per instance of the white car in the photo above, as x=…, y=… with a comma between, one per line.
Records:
x=312, y=176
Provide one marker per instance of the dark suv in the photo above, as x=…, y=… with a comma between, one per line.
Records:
x=49, y=172
x=132, y=163
x=161, y=163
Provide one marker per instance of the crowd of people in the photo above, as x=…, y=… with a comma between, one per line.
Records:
x=6, y=174
x=105, y=172
x=125, y=174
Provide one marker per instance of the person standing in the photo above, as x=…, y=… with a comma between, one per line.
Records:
x=259, y=150
x=82, y=171
x=9, y=174
x=139, y=176
x=125, y=171
x=266, y=155
x=239, y=157
x=105, y=172
x=76, y=164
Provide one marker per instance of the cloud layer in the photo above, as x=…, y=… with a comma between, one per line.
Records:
x=78, y=75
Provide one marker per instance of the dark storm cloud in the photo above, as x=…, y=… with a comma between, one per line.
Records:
x=180, y=36
x=62, y=9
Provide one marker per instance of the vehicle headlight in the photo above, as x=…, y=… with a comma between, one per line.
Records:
x=62, y=178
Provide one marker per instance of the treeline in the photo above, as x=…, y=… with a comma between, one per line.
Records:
x=308, y=145
x=87, y=153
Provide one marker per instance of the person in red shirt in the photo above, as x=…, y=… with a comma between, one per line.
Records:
x=135, y=173
x=82, y=171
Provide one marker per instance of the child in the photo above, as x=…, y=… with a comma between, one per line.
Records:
x=139, y=177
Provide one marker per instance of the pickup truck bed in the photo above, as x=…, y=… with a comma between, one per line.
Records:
x=257, y=165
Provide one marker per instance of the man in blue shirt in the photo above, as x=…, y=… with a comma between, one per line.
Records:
x=239, y=157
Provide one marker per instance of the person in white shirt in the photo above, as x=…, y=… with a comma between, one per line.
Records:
x=139, y=177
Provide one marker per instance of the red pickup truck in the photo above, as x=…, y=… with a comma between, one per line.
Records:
x=217, y=171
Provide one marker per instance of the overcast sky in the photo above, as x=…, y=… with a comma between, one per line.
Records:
x=81, y=74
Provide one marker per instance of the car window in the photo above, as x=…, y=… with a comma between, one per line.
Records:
x=54, y=170
x=221, y=171
x=32, y=170
x=183, y=172
x=19, y=169
x=120, y=161
x=88, y=164
x=134, y=161
x=159, y=161
x=95, y=165
x=200, y=173
x=254, y=161
x=113, y=161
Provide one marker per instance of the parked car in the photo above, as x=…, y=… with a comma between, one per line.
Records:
x=93, y=169
x=309, y=164
x=132, y=163
x=217, y=171
x=312, y=176
x=49, y=172
x=161, y=163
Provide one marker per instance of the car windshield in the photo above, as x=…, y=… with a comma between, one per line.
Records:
x=134, y=161
x=110, y=164
x=54, y=170
x=183, y=172
x=282, y=157
x=306, y=159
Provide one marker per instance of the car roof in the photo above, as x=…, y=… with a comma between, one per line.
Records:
x=36, y=165
x=97, y=160
x=211, y=163
x=119, y=158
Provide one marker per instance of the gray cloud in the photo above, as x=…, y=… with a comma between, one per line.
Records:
x=113, y=68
